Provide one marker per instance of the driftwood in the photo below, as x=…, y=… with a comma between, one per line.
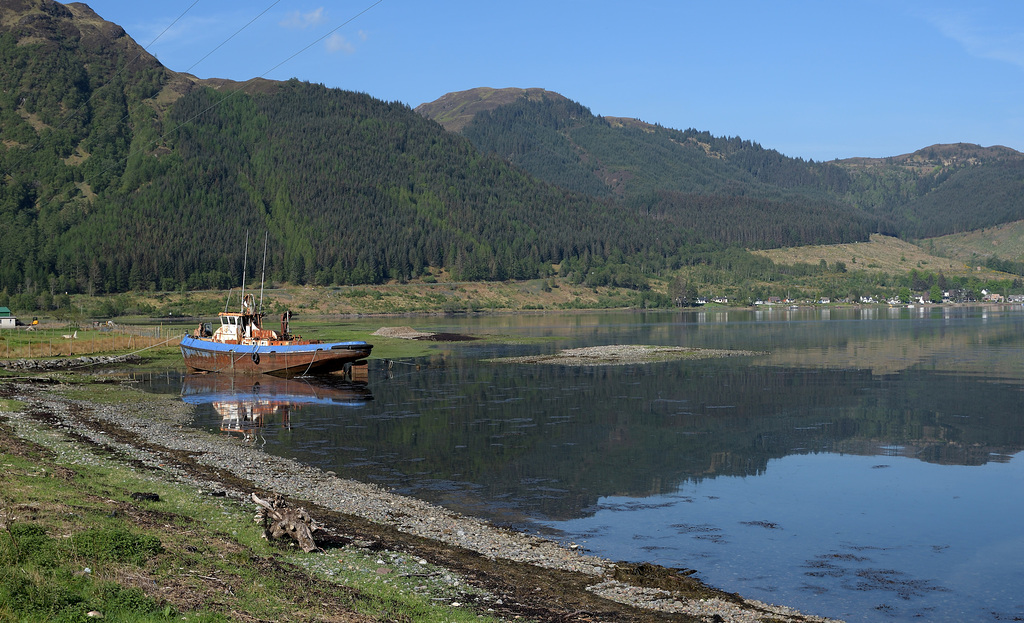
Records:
x=279, y=521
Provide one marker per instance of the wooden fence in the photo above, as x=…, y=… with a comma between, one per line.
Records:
x=65, y=342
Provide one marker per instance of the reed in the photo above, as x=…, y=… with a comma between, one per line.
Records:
x=52, y=343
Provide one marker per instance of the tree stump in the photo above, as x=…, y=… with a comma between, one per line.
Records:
x=279, y=521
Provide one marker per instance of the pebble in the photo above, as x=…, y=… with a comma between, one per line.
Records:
x=166, y=424
x=66, y=363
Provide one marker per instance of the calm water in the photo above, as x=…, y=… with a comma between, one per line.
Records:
x=869, y=466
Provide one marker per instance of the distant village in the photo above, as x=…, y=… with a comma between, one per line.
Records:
x=948, y=297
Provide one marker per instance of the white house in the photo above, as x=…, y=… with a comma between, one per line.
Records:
x=7, y=319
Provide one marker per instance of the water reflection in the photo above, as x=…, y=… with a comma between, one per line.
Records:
x=873, y=448
x=244, y=403
x=549, y=441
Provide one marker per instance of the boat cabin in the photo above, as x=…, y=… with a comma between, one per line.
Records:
x=236, y=328
x=233, y=327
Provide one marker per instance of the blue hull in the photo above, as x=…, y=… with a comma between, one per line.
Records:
x=285, y=360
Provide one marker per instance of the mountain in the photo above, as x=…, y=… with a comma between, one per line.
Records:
x=927, y=159
x=728, y=190
x=117, y=173
x=941, y=189
x=455, y=110
x=937, y=190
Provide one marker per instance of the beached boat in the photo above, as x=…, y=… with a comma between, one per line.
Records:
x=241, y=345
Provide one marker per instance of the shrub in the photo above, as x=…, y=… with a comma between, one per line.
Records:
x=115, y=545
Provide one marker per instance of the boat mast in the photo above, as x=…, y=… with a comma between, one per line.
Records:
x=264, y=273
x=245, y=260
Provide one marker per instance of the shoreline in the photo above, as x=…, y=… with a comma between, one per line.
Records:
x=154, y=434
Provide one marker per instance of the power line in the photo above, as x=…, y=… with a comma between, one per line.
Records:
x=229, y=93
x=328, y=34
x=169, y=26
x=117, y=73
x=241, y=86
x=232, y=36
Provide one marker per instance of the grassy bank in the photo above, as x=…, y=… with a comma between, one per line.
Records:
x=53, y=341
x=77, y=538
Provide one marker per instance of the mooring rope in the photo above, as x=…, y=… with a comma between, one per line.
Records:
x=311, y=362
x=108, y=358
x=136, y=352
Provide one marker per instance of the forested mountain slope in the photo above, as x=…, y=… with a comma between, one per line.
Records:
x=941, y=189
x=676, y=177
x=937, y=190
x=116, y=174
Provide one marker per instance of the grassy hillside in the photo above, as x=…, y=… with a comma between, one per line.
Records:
x=882, y=254
x=1005, y=241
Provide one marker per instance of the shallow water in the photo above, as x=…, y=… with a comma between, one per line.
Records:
x=867, y=467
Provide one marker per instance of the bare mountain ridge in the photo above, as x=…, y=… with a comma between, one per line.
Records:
x=455, y=110
x=941, y=155
x=54, y=24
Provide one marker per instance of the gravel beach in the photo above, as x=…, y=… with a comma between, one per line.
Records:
x=623, y=354
x=154, y=433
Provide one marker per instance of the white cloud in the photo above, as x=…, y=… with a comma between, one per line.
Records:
x=994, y=41
x=338, y=43
x=297, y=20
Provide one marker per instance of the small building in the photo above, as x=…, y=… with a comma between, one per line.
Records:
x=7, y=319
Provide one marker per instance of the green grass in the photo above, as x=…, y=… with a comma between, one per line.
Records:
x=882, y=254
x=73, y=540
x=101, y=392
x=1005, y=241
x=11, y=405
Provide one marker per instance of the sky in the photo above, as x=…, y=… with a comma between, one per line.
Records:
x=812, y=79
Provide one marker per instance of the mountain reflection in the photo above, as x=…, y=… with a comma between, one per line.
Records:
x=546, y=441
x=551, y=440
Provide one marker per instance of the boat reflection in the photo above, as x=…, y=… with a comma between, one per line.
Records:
x=245, y=402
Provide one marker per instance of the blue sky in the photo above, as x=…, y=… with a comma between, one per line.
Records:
x=812, y=79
